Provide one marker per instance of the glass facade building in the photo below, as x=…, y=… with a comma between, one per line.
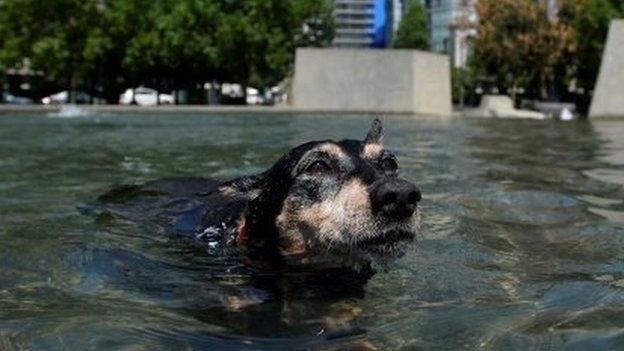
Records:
x=362, y=23
x=451, y=24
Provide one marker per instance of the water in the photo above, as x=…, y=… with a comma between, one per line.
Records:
x=521, y=246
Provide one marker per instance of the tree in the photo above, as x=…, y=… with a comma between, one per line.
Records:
x=462, y=84
x=60, y=37
x=169, y=44
x=174, y=46
x=518, y=45
x=589, y=21
x=412, y=32
x=188, y=42
x=257, y=38
x=313, y=23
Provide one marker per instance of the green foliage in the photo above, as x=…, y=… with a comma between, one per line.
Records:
x=518, y=45
x=257, y=39
x=589, y=20
x=174, y=40
x=462, y=83
x=178, y=43
x=60, y=37
x=412, y=32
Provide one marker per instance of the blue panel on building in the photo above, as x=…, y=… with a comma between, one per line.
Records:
x=380, y=36
x=363, y=23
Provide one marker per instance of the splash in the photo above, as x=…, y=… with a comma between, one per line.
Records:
x=71, y=111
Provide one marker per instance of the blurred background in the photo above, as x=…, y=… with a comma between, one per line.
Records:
x=242, y=52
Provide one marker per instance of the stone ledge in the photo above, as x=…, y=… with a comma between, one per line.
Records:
x=608, y=99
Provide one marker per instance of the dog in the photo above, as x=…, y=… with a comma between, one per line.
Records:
x=324, y=203
x=313, y=224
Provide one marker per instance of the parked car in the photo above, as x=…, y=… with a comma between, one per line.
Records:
x=253, y=96
x=14, y=99
x=145, y=97
x=232, y=94
x=274, y=95
x=62, y=97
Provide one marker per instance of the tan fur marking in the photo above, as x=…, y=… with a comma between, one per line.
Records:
x=292, y=243
x=347, y=213
x=372, y=151
x=339, y=222
x=332, y=149
x=227, y=190
x=341, y=315
x=235, y=303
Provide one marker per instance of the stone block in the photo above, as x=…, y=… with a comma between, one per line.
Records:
x=370, y=80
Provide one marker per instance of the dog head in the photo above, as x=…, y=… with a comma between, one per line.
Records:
x=332, y=202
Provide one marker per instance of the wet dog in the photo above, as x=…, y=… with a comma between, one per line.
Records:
x=310, y=227
x=325, y=203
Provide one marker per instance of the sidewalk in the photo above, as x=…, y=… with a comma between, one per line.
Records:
x=203, y=109
x=33, y=109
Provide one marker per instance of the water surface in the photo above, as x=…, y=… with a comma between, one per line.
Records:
x=521, y=245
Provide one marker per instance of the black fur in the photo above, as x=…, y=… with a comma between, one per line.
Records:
x=243, y=212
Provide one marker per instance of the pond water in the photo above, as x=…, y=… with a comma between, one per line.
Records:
x=521, y=244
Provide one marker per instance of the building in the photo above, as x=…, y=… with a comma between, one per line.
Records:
x=398, y=9
x=371, y=23
x=362, y=23
x=452, y=23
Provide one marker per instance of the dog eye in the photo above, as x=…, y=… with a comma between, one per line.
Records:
x=318, y=167
x=389, y=164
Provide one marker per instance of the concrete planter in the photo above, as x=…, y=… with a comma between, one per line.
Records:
x=369, y=80
x=608, y=100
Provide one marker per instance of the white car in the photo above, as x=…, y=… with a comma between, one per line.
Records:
x=253, y=96
x=145, y=97
x=62, y=97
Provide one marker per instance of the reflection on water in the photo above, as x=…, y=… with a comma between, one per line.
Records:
x=521, y=247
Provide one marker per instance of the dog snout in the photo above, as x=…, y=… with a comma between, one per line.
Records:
x=396, y=198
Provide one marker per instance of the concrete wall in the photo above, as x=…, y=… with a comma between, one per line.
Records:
x=372, y=80
x=608, y=100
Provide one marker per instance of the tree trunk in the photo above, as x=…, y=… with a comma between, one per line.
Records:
x=543, y=87
x=461, y=89
x=71, y=96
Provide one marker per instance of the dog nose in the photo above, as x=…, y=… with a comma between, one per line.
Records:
x=396, y=198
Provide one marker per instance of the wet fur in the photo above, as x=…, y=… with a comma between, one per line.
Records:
x=288, y=217
x=312, y=236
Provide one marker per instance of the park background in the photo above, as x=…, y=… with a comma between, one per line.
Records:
x=531, y=50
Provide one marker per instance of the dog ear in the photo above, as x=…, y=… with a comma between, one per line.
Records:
x=375, y=133
x=256, y=231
